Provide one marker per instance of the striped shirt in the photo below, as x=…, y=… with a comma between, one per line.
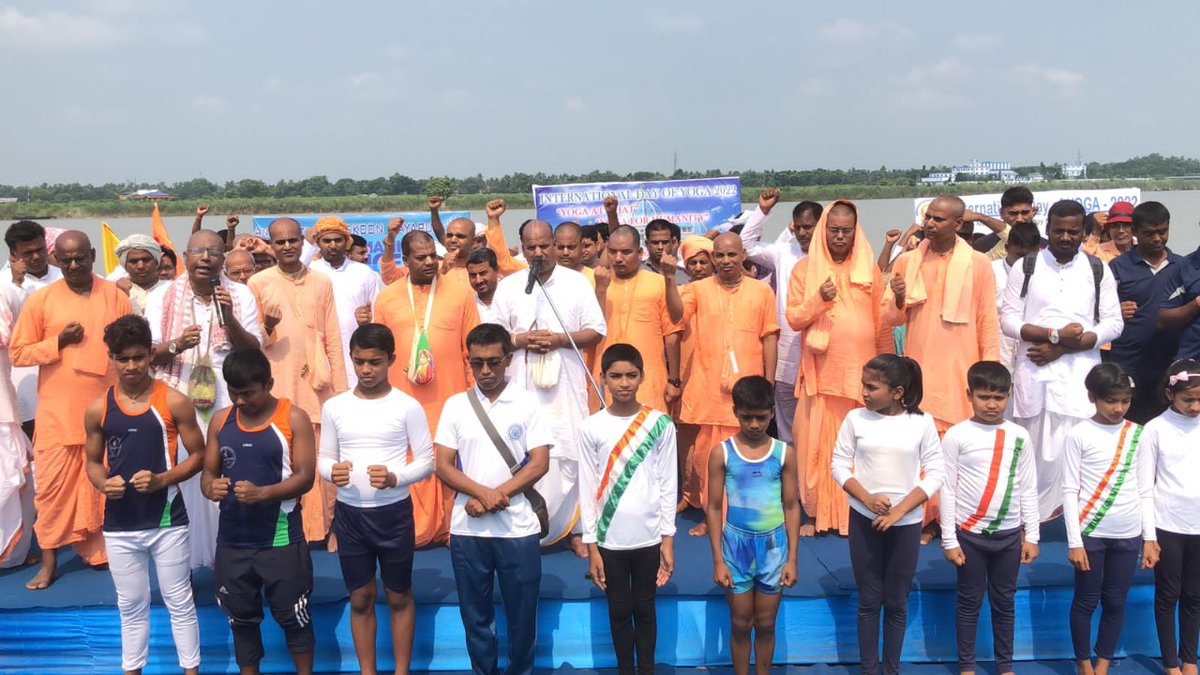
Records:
x=1108, y=483
x=991, y=481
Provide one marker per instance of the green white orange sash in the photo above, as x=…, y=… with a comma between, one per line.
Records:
x=1110, y=484
x=624, y=459
x=1001, y=457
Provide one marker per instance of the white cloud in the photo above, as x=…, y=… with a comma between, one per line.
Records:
x=574, y=104
x=674, y=23
x=977, y=42
x=55, y=31
x=847, y=29
x=945, y=72
x=1047, y=78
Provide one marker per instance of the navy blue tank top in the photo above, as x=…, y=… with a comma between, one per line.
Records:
x=262, y=456
x=136, y=442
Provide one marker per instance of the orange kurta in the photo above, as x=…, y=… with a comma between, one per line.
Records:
x=505, y=261
x=453, y=315
x=70, y=510
x=943, y=349
x=307, y=363
x=636, y=313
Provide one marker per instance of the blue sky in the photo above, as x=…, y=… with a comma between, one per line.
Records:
x=100, y=90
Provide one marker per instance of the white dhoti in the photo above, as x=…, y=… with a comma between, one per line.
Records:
x=16, y=496
x=1047, y=434
x=203, y=513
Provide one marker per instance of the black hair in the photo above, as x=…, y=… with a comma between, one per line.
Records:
x=1189, y=366
x=168, y=253
x=414, y=235
x=1018, y=194
x=1025, y=235
x=485, y=256
x=631, y=231
x=903, y=372
x=568, y=225
x=358, y=240
x=1107, y=379
x=128, y=331
x=808, y=207
x=589, y=232
x=661, y=224
x=1089, y=225
x=1064, y=208
x=1150, y=213
x=486, y=334
x=753, y=393
x=374, y=336
x=988, y=376
x=23, y=231
x=602, y=230
x=244, y=367
x=621, y=352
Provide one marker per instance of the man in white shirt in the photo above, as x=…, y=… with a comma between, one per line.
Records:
x=483, y=273
x=1023, y=239
x=493, y=527
x=366, y=434
x=190, y=346
x=30, y=269
x=355, y=285
x=1060, y=323
x=545, y=364
x=140, y=257
x=781, y=257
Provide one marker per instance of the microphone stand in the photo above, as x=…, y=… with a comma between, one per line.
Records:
x=586, y=370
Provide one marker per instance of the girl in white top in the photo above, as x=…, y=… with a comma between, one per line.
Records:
x=1170, y=441
x=881, y=453
x=1108, y=506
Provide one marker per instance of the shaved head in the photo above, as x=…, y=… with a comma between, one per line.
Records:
x=535, y=228
x=205, y=239
x=840, y=209
x=74, y=240
x=282, y=225
x=956, y=206
x=728, y=243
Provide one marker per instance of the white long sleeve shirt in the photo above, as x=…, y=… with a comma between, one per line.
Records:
x=1058, y=295
x=991, y=481
x=1171, y=441
x=1008, y=345
x=1108, y=483
x=375, y=432
x=645, y=512
x=781, y=257
x=886, y=454
x=354, y=285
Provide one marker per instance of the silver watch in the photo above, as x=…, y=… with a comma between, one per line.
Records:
x=173, y=348
x=1053, y=336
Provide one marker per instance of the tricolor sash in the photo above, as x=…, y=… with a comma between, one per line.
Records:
x=623, y=460
x=1110, y=485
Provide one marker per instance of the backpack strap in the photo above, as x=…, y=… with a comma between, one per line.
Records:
x=1097, y=275
x=1028, y=263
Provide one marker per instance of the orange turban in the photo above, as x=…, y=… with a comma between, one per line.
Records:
x=330, y=225
x=690, y=246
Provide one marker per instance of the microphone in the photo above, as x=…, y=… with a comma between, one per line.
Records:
x=535, y=269
x=214, y=283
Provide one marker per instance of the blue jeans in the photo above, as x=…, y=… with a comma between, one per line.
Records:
x=477, y=562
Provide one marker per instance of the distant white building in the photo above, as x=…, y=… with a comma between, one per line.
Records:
x=975, y=170
x=938, y=178
x=1074, y=171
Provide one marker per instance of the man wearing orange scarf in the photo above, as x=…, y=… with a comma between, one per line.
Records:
x=834, y=300
x=303, y=342
x=60, y=330
x=944, y=292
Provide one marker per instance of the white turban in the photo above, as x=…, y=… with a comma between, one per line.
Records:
x=139, y=242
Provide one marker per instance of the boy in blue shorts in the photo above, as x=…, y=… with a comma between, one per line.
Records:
x=754, y=550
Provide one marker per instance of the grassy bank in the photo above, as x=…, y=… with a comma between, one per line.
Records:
x=267, y=205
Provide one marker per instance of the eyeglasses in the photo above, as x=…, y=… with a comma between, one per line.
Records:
x=212, y=252
x=478, y=364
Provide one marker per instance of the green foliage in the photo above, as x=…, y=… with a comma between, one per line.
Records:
x=440, y=186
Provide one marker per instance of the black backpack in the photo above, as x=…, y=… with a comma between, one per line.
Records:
x=1030, y=261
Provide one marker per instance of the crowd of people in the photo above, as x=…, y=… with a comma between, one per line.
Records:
x=582, y=389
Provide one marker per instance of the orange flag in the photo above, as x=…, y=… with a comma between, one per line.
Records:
x=159, y=232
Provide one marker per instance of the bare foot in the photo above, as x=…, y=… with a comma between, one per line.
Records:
x=575, y=543
x=1173, y=671
x=808, y=530
x=1084, y=667
x=45, y=576
x=1102, y=666
x=699, y=530
x=331, y=543
x=1189, y=669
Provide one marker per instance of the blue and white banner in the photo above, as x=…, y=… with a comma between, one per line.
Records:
x=989, y=205
x=695, y=205
x=369, y=226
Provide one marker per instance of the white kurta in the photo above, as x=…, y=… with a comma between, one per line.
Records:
x=354, y=285
x=25, y=379
x=781, y=257
x=16, y=452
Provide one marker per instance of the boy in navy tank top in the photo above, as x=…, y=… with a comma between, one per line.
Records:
x=132, y=438
x=261, y=459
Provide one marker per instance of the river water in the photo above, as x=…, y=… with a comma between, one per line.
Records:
x=877, y=216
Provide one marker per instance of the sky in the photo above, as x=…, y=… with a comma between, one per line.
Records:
x=167, y=90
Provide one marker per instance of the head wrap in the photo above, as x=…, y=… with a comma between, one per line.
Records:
x=480, y=229
x=690, y=246
x=52, y=234
x=139, y=242
x=330, y=225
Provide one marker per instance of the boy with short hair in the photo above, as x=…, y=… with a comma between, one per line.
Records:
x=989, y=511
x=754, y=553
x=627, y=492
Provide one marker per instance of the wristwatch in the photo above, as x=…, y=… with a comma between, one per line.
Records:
x=1053, y=336
x=677, y=383
x=173, y=348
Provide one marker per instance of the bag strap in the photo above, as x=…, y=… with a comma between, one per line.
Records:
x=488, y=427
x=1097, y=275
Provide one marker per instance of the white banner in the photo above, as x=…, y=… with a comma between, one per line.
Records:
x=989, y=205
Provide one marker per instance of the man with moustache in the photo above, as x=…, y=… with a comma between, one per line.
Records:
x=355, y=286
x=484, y=274
x=139, y=256
x=239, y=266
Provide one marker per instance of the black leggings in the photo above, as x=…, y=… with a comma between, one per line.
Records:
x=631, y=579
x=1113, y=563
x=992, y=564
x=884, y=564
x=1177, y=582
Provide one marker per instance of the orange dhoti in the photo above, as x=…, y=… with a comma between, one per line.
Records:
x=316, y=505
x=818, y=420
x=70, y=511
x=931, y=504
x=695, y=478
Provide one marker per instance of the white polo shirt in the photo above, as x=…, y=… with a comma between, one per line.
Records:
x=518, y=419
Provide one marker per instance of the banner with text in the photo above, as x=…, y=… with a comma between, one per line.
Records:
x=989, y=205
x=369, y=226
x=695, y=205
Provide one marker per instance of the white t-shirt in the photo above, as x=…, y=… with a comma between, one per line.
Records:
x=354, y=285
x=989, y=460
x=1106, y=492
x=372, y=432
x=886, y=454
x=519, y=420
x=1171, y=441
x=645, y=512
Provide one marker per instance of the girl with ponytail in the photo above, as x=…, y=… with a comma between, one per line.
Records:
x=889, y=461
